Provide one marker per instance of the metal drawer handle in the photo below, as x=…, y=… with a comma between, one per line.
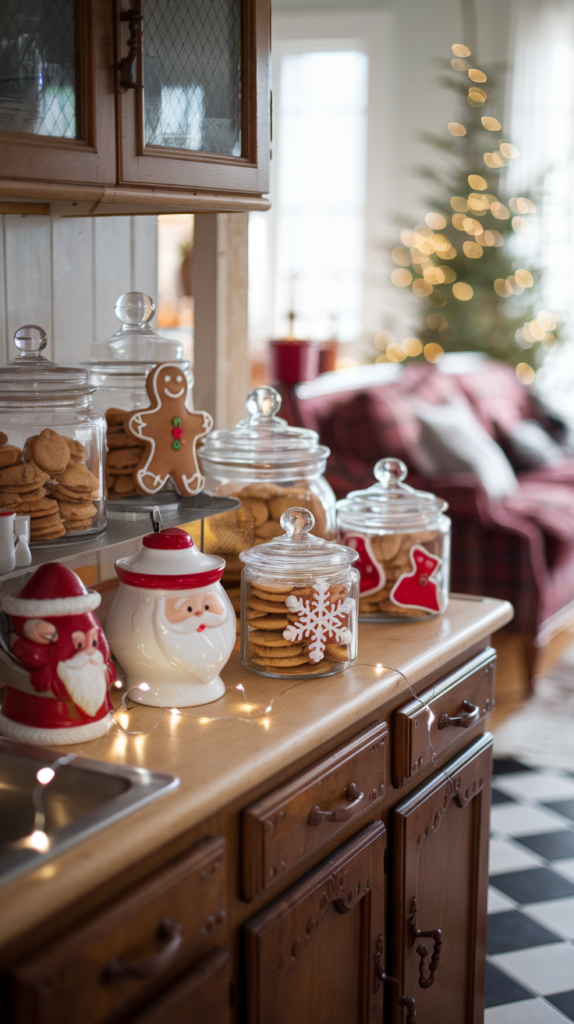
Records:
x=400, y=999
x=465, y=720
x=153, y=966
x=415, y=933
x=341, y=813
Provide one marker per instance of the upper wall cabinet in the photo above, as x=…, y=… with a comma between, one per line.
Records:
x=144, y=98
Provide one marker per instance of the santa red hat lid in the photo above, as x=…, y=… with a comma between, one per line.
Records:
x=52, y=590
x=169, y=560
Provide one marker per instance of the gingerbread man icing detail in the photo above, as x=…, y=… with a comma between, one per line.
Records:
x=170, y=430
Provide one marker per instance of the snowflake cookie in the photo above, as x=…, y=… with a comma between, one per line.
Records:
x=319, y=618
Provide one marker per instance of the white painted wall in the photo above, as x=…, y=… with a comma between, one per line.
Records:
x=65, y=274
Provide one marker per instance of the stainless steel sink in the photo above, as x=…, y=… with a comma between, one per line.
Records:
x=49, y=802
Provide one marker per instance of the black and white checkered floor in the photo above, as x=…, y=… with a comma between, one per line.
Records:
x=530, y=968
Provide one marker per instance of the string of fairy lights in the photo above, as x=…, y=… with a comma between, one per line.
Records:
x=424, y=257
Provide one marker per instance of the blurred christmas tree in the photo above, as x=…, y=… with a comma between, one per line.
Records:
x=460, y=263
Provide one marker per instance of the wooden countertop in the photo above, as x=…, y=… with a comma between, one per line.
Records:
x=223, y=750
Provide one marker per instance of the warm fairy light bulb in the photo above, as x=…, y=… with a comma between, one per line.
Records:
x=143, y=686
x=38, y=841
x=118, y=684
x=124, y=721
x=265, y=723
x=45, y=775
x=204, y=721
x=174, y=712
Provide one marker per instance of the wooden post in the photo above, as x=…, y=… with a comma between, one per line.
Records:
x=221, y=358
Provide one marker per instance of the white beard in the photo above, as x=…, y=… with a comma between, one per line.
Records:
x=189, y=650
x=85, y=679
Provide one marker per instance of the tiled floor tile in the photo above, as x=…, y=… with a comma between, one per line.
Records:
x=506, y=765
x=524, y=821
x=565, y=867
x=506, y=855
x=550, y=845
x=544, y=969
x=534, y=885
x=513, y=930
x=532, y=1011
x=565, y=807
x=565, y=1002
x=497, y=902
x=555, y=914
x=536, y=786
x=500, y=988
x=497, y=797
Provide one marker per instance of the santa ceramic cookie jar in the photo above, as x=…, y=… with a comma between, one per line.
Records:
x=172, y=626
x=299, y=597
x=402, y=538
x=56, y=662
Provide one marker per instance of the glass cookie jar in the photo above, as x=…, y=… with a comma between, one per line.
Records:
x=118, y=368
x=270, y=467
x=52, y=444
x=402, y=538
x=299, y=602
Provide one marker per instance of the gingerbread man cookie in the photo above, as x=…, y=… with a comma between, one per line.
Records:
x=170, y=432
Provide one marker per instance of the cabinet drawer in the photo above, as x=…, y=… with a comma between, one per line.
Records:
x=312, y=808
x=202, y=995
x=148, y=936
x=431, y=723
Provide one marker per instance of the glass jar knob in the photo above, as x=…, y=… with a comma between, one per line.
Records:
x=30, y=340
x=263, y=403
x=297, y=521
x=134, y=308
x=390, y=472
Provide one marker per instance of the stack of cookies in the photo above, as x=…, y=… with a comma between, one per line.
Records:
x=268, y=616
x=49, y=482
x=124, y=453
x=392, y=550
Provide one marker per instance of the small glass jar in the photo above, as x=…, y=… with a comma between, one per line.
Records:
x=299, y=603
x=53, y=455
x=118, y=368
x=270, y=467
x=402, y=538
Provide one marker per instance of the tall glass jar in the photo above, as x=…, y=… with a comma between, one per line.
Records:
x=402, y=538
x=118, y=368
x=52, y=444
x=299, y=597
x=270, y=467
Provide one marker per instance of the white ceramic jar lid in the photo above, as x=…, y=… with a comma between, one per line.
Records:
x=169, y=560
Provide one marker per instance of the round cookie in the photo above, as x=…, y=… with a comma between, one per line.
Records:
x=77, y=451
x=122, y=440
x=274, y=588
x=310, y=669
x=338, y=652
x=262, y=606
x=9, y=455
x=116, y=417
x=124, y=458
x=269, y=530
x=263, y=491
x=3, y=437
x=25, y=475
x=38, y=507
x=124, y=485
x=258, y=509
x=51, y=534
x=77, y=510
x=266, y=638
x=77, y=477
x=49, y=451
x=271, y=622
x=286, y=662
x=74, y=525
x=41, y=520
x=268, y=596
x=271, y=653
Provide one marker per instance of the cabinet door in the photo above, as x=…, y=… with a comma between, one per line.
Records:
x=202, y=995
x=57, y=91
x=194, y=105
x=311, y=955
x=439, y=879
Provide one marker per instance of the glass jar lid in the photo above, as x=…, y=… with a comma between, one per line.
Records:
x=390, y=504
x=135, y=341
x=263, y=438
x=30, y=376
x=298, y=553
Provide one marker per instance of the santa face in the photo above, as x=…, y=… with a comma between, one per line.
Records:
x=191, y=631
x=170, y=383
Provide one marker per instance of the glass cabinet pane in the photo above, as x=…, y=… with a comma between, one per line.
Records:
x=38, y=67
x=192, y=75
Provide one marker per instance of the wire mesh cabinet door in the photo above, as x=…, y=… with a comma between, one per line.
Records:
x=56, y=92
x=311, y=955
x=193, y=96
x=439, y=879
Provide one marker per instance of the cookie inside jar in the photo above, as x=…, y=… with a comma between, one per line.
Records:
x=402, y=540
x=271, y=467
x=299, y=599
x=52, y=445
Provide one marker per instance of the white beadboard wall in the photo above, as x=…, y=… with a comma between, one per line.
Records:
x=65, y=274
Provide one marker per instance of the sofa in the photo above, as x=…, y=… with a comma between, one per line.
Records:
x=513, y=534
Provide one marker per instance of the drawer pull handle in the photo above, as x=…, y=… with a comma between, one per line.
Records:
x=415, y=933
x=150, y=968
x=468, y=717
x=353, y=794
x=400, y=999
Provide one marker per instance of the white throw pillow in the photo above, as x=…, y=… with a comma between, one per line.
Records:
x=453, y=441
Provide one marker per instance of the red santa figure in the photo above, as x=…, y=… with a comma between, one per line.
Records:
x=61, y=696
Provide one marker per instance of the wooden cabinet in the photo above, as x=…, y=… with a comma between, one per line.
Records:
x=204, y=994
x=311, y=955
x=439, y=878
x=146, y=99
